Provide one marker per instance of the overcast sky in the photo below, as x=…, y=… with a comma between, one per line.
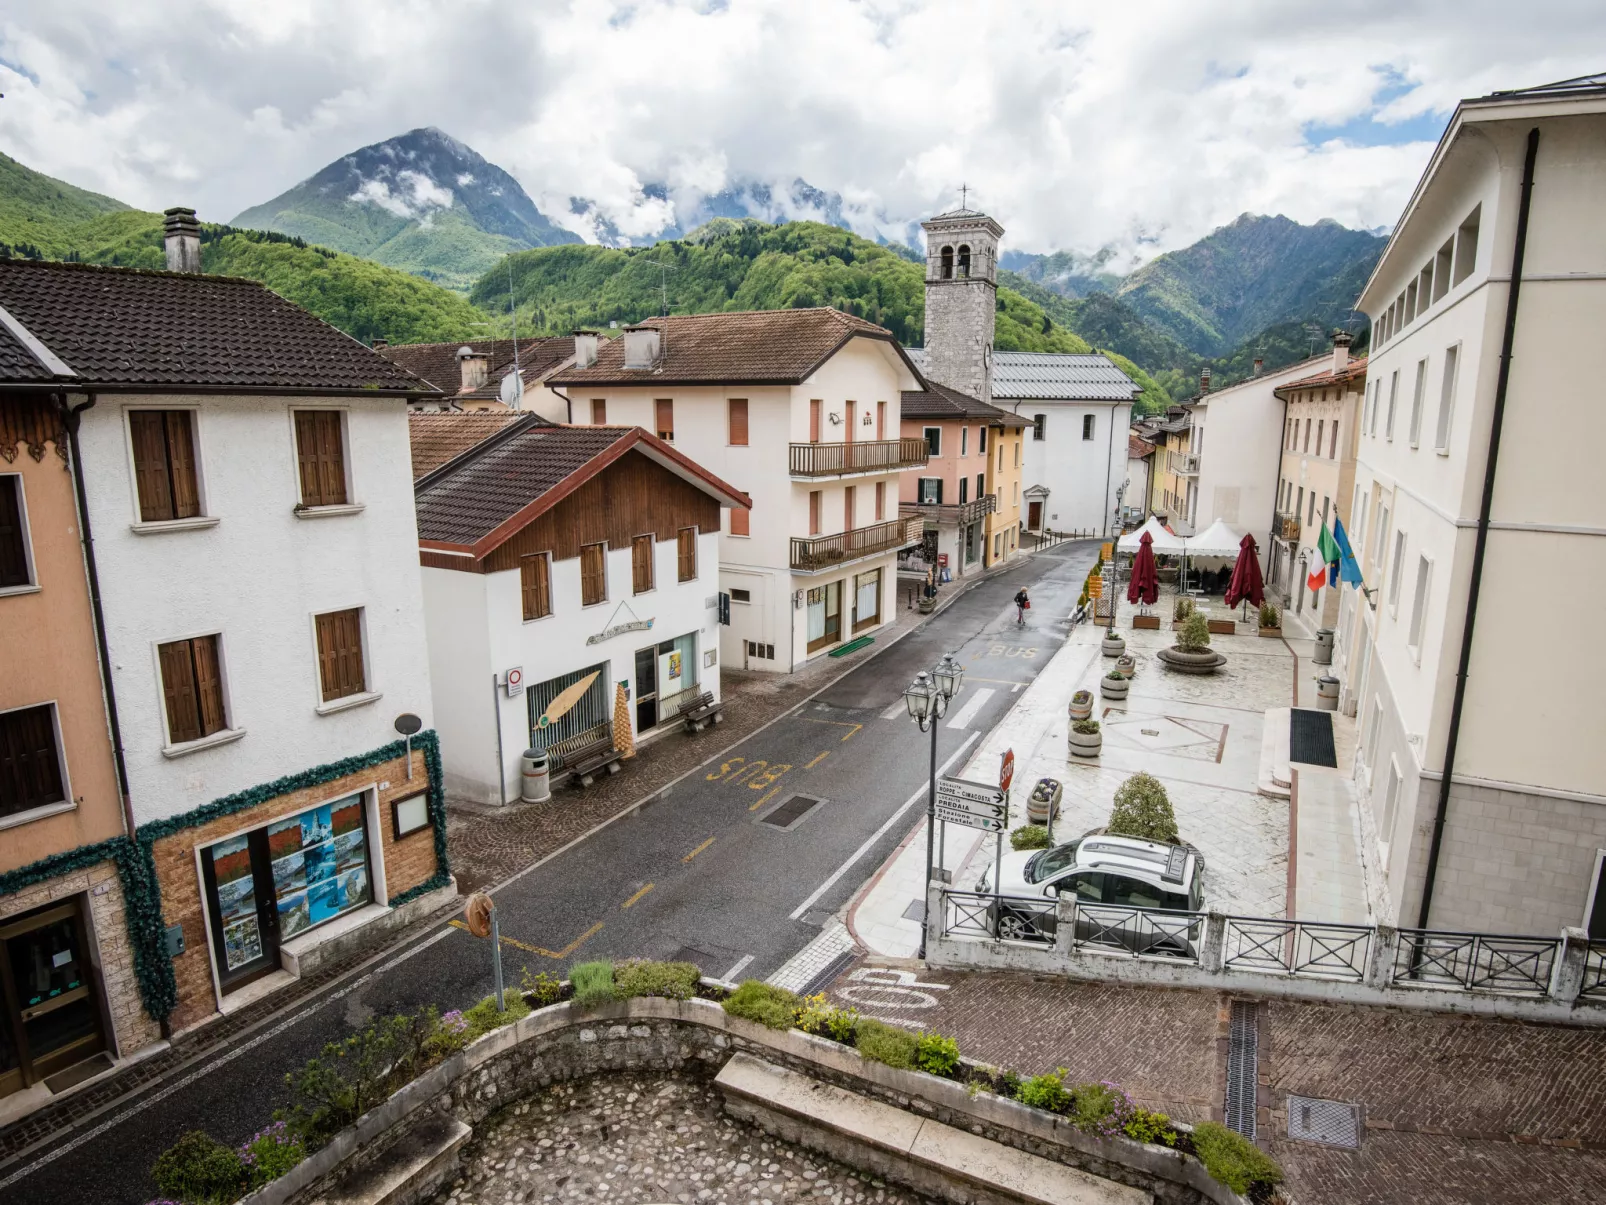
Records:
x=1079, y=125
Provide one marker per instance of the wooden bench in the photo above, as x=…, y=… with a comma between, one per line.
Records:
x=587, y=760
x=696, y=714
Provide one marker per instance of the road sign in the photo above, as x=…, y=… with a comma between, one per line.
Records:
x=995, y=811
x=1095, y=587
x=961, y=789
x=1006, y=770
x=969, y=819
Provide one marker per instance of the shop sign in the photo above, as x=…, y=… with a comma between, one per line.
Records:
x=618, y=629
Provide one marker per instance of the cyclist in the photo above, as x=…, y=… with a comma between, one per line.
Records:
x=1022, y=603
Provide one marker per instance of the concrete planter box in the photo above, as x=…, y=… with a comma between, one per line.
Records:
x=1113, y=645
x=1085, y=745
x=1150, y=623
x=1112, y=688
x=1206, y=661
x=1081, y=711
x=1222, y=627
x=1127, y=664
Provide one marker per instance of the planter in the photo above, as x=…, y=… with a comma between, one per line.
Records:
x=1113, y=645
x=1085, y=745
x=1114, y=688
x=1271, y=633
x=1223, y=627
x=1043, y=804
x=1082, y=710
x=1127, y=664
x=1205, y=661
x=1149, y=623
x=927, y=605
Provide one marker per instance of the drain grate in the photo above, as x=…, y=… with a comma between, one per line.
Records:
x=1334, y=1122
x=791, y=812
x=1243, y=1068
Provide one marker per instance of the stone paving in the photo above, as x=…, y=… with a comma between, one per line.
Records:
x=646, y=1139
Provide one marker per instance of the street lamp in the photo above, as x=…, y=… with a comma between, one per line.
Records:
x=927, y=698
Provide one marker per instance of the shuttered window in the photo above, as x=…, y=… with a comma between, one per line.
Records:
x=599, y=412
x=535, y=581
x=880, y=500
x=30, y=767
x=164, y=464
x=815, y=498
x=340, y=668
x=738, y=421
x=593, y=574
x=192, y=688
x=741, y=521
x=687, y=549
x=814, y=420
x=880, y=420
x=663, y=410
x=641, y=564
x=321, y=457
x=13, y=539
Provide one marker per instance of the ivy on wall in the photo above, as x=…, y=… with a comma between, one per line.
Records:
x=136, y=862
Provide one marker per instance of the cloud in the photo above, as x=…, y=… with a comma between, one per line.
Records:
x=415, y=194
x=1134, y=127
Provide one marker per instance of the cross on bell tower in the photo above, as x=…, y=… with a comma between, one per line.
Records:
x=961, y=298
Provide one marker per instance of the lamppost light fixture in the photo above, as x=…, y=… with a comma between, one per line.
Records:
x=920, y=696
x=950, y=675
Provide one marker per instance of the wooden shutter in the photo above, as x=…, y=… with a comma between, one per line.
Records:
x=208, y=684
x=880, y=420
x=851, y=417
x=687, y=542
x=13, y=545
x=814, y=512
x=593, y=574
x=641, y=564
x=850, y=498
x=599, y=411
x=30, y=770
x=741, y=521
x=321, y=457
x=880, y=500
x=536, y=586
x=150, y=465
x=178, y=691
x=180, y=431
x=663, y=410
x=738, y=421
x=814, y=420
x=340, y=667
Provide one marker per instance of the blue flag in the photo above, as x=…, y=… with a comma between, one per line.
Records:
x=1349, y=569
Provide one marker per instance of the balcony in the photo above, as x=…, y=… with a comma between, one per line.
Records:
x=1287, y=527
x=820, y=553
x=839, y=459
x=963, y=514
x=1185, y=464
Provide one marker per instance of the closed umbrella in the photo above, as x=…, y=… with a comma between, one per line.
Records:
x=1246, y=584
x=1145, y=584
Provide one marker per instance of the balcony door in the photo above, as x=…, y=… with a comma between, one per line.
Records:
x=824, y=615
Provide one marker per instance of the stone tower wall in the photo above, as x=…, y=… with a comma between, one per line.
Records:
x=960, y=311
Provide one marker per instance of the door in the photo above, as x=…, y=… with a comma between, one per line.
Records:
x=814, y=420
x=1034, y=516
x=245, y=922
x=52, y=1009
x=824, y=615
x=646, y=688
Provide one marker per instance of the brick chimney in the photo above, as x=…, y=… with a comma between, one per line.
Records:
x=1341, y=342
x=379, y=343
x=641, y=346
x=475, y=367
x=1204, y=382
x=182, y=234
x=1260, y=365
x=586, y=343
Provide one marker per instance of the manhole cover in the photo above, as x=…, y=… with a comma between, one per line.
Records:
x=790, y=813
x=916, y=911
x=1333, y=1122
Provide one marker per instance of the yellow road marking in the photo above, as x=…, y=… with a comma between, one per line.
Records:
x=698, y=850
x=765, y=798
x=542, y=950
x=637, y=896
x=818, y=760
x=837, y=723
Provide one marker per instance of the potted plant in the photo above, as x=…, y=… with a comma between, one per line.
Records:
x=1043, y=804
x=1085, y=738
x=1114, y=685
x=1081, y=705
x=1127, y=664
x=1271, y=621
x=1113, y=644
x=1192, y=654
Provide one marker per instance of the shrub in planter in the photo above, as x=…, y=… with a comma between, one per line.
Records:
x=937, y=1055
x=1045, y=1092
x=641, y=977
x=593, y=982
x=352, y=1076
x=1195, y=636
x=1234, y=1160
x=1100, y=1108
x=1143, y=809
x=822, y=1019
x=1270, y=617
x=889, y=1044
x=768, y=1005
x=1029, y=836
x=1086, y=727
x=200, y=1170
x=271, y=1152
x=485, y=1016
x=541, y=989
x=1144, y=1126
x=1182, y=608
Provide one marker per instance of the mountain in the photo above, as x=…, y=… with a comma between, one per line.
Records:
x=423, y=202
x=742, y=199
x=1068, y=273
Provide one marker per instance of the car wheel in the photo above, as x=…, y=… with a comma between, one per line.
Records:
x=1012, y=926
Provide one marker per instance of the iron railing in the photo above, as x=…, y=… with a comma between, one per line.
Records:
x=1594, y=986
x=998, y=918
x=830, y=459
x=1475, y=961
x=962, y=513
x=1140, y=932
x=1291, y=947
x=822, y=552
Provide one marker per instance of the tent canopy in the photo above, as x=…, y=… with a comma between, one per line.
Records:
x=1164, y=541
x=1216, y=540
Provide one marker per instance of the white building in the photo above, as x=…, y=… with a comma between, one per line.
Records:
x=1482, y=544
x=558, y=558
x=799, y=409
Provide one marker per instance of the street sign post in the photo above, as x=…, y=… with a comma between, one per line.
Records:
x=973, y=792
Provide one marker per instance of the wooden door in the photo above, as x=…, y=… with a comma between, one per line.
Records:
x=814, y=420
x=1034, y=516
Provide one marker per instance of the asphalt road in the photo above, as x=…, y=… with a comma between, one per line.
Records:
x=696, y=873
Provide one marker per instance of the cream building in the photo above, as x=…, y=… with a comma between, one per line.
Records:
x=1484, y=555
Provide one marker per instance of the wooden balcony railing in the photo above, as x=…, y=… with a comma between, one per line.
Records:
x=822, y=552
x=828, y=460
x=962, y=513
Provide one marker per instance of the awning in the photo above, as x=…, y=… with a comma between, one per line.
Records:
x=1216, y=540
x=1164, y=541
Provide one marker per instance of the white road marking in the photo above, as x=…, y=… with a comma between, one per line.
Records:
x=897, y=709
x=741, y=965
x=797, y=913
x=968, y=712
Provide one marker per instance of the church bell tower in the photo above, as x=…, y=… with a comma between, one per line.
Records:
x=961, y=299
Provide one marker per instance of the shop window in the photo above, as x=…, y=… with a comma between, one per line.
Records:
x=164, y=464
x=30, y=762
x=192, y=688
x=54, y=1020
x=15, y=566
x=593, y=574
x=535, y=584
x=641, y=564
x=570, y=705
x=867, y=600
x=321, y=457
x=340, y=659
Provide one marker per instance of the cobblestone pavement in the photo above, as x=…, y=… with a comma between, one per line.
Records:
x=655, y=1138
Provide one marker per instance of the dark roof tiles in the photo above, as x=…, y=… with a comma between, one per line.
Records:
x=437, y=363
x=939, y=402
x=436, y=438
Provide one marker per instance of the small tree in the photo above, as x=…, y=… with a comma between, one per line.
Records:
x=1182, y=608
x=1142, y=809
x=1195, y=635
x=1269, y=616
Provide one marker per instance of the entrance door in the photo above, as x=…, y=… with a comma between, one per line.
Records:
x=245, y=922
x=52, y=1016
x=825, y=615
x=646, y=688
x=1034, y=516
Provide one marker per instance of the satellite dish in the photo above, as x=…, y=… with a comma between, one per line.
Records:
x=512, y=390
x=407, y=723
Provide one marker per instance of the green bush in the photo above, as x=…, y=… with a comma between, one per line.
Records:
x=640, y=977
x=541, y=989
x=768, y=1005
x=1233, y=1159
x=352, y=1076
x=1142, y=809
x=1100, y=1108
x=1009, y=1085
x=889, y=1044
x=271, y=1152
x=821, y=1018
x=937, y=1055
x=1270, y=616
x=485, y=1016
x=1116, y=675
x=1182, y=608
x=1195, y=634
x=1045, y=1092
x=1145, y=1126
x=593, y=982
x=200, y=1170
x=1085, y=727
x=1029, y=836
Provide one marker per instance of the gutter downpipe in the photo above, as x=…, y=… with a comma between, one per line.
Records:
x=1481, y=542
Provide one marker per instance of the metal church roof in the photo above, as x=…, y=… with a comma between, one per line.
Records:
x=1051, y=375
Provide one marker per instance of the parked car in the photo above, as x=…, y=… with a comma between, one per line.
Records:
x=1128, y=892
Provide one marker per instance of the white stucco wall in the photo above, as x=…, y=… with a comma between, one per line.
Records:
x=1082, y=475
x=257, y=577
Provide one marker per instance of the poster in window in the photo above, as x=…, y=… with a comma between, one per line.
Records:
x=349, y=850
x=316, y=826
x=242, y=942
x=320, y=866
x=346, y=816
x=320, y=863
x=284, y=837
x=294, y=915
x=353, y=887
x=236, y=889
x=289, y=874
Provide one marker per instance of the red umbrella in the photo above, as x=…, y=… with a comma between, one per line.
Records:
x=1145, y=584
x=1246, y=581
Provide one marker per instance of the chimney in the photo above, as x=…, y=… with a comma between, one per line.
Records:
x=1204, y=382
x=641, y=346
x=183, y=238
x=379, y=343
x=585, y=348
x=1341, y=342
x=475, y=367
x=1260, y=365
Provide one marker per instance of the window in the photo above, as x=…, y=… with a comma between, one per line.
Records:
x=741, y=596
x=964, y=490
x=1017, y=453
x=880, y=500
x=1332, y=442
x=1306, y=448
x=880, y=420
x=1087, y=426
x=164, y=463
x=686, y=553
x=1419, y=605
x=663, y=418
x=1417, y=391
x=1321, y=429
x=1380, y=538
x=930, y=491
x=816, y=499
x=1441, y=269
x=1001, y=458
x=1377, y=405
x=1299, y=502
x=599, y=411
x=1391, y=799
x=1394, y=395
x=1396, y=571
x=641, y=564
x=850, y=508
x=1017, y=493
x=535, y=584
x=741, y=521
x=321, y=457
x=593, y=574
x=981, y=441
x=964, y=261
x=964, y=441
x=981, y=484
x=1373, y=731
x=14, y=567
x=1311, y=518
x=1410, y=303
x=192, y=688
x=30, y=766
x=1039, y=426
x=340, y=667
x=814, y=419
x=1441, y=432
x=1466, y=246
x=934, y=441
x=947, y=263
x=737, y=421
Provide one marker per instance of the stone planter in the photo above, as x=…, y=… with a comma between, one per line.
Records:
x=1114, y=688
x=1271, y=633
x=1082, y=711
x=1043, y=804
x=1085, y=744
x=1127, y=664
x=1205, y=661
x=1223, y=627
x=1113, y=645
x=926, y=605
x=1150, y=623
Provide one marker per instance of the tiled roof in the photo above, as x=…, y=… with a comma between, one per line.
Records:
x=1053, y=375
x=437, y=362
x=123, y=326
x=436, y=438
x=757, y=347
x=1137, y=448
x=1354, y=369
x=938, y=401
x=16, y=362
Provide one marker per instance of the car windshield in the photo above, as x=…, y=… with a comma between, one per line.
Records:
x=1050, y=862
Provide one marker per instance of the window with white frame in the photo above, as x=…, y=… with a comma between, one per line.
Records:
x=31, y=771
x=1394, y=395
x=1396, y=571
x=1441, y=432
x=1373, y=730
x=1419, y=606
x=16, y=553
x=1391, y=801
x=1416, y=401
x=934, y=440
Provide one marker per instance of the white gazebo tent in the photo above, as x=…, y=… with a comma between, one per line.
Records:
x=1164, y=541
x=1216, y=540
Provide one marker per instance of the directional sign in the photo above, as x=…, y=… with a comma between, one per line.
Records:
x=963, y=789
x=988, y=811
x=953, y=815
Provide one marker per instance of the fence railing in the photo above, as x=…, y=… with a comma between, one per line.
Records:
x=1000, y=918
x=1291, y=947
x=956, y=512
x=1425, y=958
x=1594, y=985
x=829, y=459
x=822, y=552
x=1140, y=932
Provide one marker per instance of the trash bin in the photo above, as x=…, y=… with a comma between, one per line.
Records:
x=1327, y=693
x=535, y=776
x=1324, y=647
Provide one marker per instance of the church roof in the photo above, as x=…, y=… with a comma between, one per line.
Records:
x=1059, y=376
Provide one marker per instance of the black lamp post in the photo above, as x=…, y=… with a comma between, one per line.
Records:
x=927, y=698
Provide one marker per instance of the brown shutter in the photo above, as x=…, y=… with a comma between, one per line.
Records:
x=321, y=457
x=208, y=685
x=849, y=510
x=340, y=667
x=738, y=421
x=30, y=771
x=850, y=413
x=536, y=585
x=814, y=512
x=178, y=690
x=814, y=420
x=150, y=465
x=880, y=500
x=13, y=547
x=688, y=553
x=599, y=411
x=880, y=420
x=593, y=575
x=664, y=418
x=181, y=463
x=741, y=521
x=641, y=564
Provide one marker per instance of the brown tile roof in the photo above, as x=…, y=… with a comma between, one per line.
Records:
x=1136, y=447
x=1352, y=370
x=938, y=401
x=437, y=362
x=129, y=327
x=757, y=347
x=436, y=438
x=480, y=500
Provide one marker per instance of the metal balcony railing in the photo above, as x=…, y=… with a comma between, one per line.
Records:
x=1185, y=464
x=1288, y=526
x=833, y=459
x=822, y=552
x=1292, y=947
x=962, y=513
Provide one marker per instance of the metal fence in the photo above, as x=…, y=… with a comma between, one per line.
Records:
x=1140, y=932
x=1000, y=918
x=1594, y=987
x=1291, y=947
x=1520, y=965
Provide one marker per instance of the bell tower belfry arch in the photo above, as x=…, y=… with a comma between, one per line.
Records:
x=961, y=299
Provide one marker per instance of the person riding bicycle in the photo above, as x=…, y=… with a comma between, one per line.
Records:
x=1023, y=603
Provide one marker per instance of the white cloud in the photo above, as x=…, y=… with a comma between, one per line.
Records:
x=1139, y=126
x=414, y=196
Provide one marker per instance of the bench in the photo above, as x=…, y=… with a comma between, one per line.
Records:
x=697, y=713
x=587, y=760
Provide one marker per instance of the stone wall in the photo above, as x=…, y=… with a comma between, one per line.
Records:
x=960, y=318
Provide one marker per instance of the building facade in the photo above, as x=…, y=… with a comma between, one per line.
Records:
x=1174, y=477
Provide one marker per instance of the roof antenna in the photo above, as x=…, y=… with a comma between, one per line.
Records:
x=513, y=393
x=663, y=280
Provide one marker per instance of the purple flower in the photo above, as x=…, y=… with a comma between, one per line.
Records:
x=454, y=1021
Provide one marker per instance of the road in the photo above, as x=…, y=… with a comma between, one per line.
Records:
x=706, y=871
